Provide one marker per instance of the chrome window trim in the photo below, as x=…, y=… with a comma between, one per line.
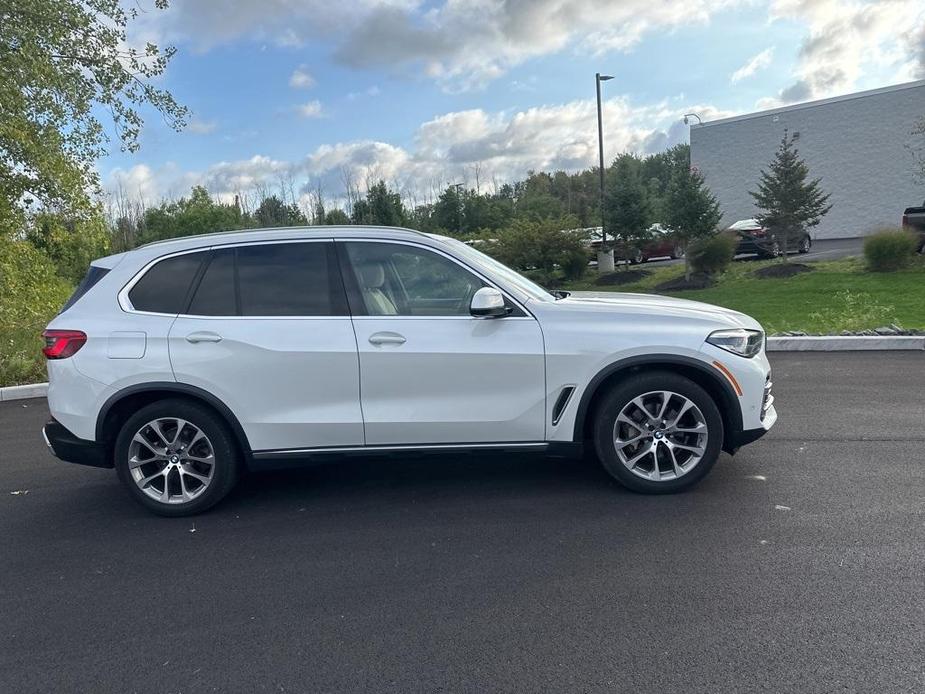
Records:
x=126, y=305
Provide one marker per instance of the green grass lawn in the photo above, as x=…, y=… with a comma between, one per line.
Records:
x=839, y=295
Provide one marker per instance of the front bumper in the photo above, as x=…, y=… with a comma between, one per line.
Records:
x=67, y=447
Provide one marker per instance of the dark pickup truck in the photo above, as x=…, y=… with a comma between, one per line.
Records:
x=914, y=221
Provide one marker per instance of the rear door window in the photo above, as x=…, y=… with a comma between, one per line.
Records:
x=274, y=279
x=288, y=279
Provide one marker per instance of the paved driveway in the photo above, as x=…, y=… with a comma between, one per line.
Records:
x=798, y=565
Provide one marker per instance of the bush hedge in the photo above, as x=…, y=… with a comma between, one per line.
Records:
x=889, y=250
x=540, y=250
x=712, y=255
x=31, y=293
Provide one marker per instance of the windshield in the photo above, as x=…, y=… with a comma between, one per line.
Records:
x=492, y=267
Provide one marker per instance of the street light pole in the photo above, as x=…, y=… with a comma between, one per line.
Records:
x=457, y=186
x=604, y=259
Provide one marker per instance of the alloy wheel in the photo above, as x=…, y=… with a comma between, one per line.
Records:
x=171, y=460
x=660, y=436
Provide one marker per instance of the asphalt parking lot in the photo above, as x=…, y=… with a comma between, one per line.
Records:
x=798, y=565
x=823, y=249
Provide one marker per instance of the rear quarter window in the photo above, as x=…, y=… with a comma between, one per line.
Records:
x=165, y=286
x=94, y=275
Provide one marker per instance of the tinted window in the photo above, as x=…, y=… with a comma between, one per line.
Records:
x=399, y=280
x=164, y=287
x=94, y=275
x=288, y=279
x=215, y=294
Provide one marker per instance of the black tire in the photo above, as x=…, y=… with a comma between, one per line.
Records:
x=637, y=259
x=226, y=460
x=677, y=253
x=773, y=251
x=622, y=394
x=806, y=244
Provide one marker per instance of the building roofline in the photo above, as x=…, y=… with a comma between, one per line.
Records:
x=812, y=104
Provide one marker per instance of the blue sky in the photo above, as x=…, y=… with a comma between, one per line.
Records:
x=319, y=94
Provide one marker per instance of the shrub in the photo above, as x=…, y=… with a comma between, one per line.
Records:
x=712, y=255
x=71, y=244
x=540, y=249
x=888, y=250
x=574, y=263
x=31, y=292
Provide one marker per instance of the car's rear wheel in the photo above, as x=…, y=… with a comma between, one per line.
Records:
x=658, y=433
x=176, y=458
x=637, y=258
x=677, y=252
x=805, y=244
x=771, y=251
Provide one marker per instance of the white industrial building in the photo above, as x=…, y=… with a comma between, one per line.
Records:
x=859, y=144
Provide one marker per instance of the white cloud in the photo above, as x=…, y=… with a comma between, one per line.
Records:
x=502, y=146
x=200, y=127
x=311, y=109
x=370, y=92
x=459, y=43
x=848, y=38
x=301, y=78
x=466, y=43
x=755, y=64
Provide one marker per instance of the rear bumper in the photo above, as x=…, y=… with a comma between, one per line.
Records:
x=748, y=246
x=67, y=447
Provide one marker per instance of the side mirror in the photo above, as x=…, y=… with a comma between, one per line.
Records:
x=488, y=302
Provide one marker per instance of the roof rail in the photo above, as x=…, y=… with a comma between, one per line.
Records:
x=307, y=227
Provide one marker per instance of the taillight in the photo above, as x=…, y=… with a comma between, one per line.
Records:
x=61, y=344
x=906, y=224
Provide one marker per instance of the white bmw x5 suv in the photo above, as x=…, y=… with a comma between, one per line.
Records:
x=182, y=362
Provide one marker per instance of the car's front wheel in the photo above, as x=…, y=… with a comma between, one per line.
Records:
x=658, y=432
x=806, y=244
x=176, y=458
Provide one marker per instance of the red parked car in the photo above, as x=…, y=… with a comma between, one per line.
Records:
x=661, y=244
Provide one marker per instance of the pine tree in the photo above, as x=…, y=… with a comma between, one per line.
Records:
x=788, y=201
x=626, y=208
x=691, y=210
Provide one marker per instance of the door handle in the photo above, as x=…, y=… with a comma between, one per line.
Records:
x=203, y=336
x=386, y=339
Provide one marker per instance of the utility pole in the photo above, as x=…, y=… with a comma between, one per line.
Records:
x=604, y=257
x=457, y=186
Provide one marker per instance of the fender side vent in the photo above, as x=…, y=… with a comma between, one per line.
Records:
x=561, y=403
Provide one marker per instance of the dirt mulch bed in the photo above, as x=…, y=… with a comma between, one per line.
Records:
x=698, y=281
x=618, y=277
x=781, y=270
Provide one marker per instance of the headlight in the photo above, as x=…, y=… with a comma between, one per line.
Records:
x=746, y=343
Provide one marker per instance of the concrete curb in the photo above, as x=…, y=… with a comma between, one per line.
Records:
x=32, y=390
x=860, y=343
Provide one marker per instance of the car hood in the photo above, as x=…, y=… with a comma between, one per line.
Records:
x=658, y=306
